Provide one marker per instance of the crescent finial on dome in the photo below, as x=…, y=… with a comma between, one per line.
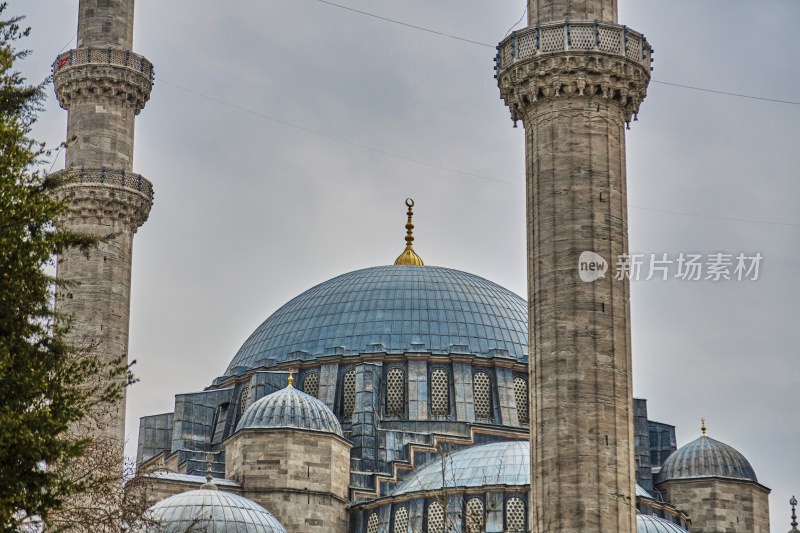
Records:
x=409, y=256
x=703, y=427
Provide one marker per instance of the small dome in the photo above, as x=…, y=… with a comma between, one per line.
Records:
x=499, y=463
x=211, y=511
x=290, y=408
x=706, y=457
x=654, y=524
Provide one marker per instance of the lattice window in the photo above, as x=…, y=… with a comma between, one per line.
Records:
x=243, y=399
x=552, y=39
x=515, y=514
x=440, y=393
x=435, y=518
x=395, y=392
x=582, y=37
x=610, y=40
x=480, y=395
x=349, y=393
x=311, y=385
x=401, y=520
x=474, y=517
x=526, y=45
x=634, y=48
x=372, y=523
x=521, y=396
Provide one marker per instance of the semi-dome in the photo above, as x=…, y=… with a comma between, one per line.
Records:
x=706, y=457
x=210, y=511
x=654, y=524
x=395, y=308
x=290, y=408
x=498, y=463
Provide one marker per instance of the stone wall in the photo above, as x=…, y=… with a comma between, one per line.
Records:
x=300, y=476
x=541, y=11
x=718, y=505
x=105, y=23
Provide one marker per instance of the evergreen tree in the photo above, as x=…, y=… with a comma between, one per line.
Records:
x=47, y=386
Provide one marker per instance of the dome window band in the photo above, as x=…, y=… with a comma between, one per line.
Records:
x=440, y=393
x=480, y=391
x=395, y=392
x=515, y=514
x=349, y=393
x=401, y=520
x=435, y=517
x=474, y=515
x=311, y=385
x=521, y=397
x=372, y=523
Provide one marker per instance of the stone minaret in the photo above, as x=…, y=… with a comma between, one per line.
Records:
x=575, y=78
x=104, y=86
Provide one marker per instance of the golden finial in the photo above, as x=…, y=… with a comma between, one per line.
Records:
x=703, y=427
x=409, y=256
x=291, y=379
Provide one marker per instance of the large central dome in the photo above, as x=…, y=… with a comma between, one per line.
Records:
x=439, y=310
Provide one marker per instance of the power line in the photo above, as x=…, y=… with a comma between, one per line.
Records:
x=339, y=139
x=406, y=24
x=726, y=93
x=434, y=165
x=729, y=219
x=442, y=34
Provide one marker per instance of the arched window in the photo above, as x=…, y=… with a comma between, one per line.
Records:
x=515, y=514
x=395, y=392
x=435, y=517
x=311, y=385
x=372, y=523
x=401, y=520
x=480, y=395
x=521, y=397
x=349, y=393
x=243, y=400
x=474, y=516
x=440, y=393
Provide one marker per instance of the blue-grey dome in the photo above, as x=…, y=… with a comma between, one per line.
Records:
x=706, y=457
x=290, y=408
x=654, y=524
x=395, y=306
x=499, y=463
x=211, y=511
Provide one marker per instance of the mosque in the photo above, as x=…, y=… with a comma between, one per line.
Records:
x=406, y=397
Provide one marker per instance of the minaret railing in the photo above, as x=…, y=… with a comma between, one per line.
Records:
x=613, y=39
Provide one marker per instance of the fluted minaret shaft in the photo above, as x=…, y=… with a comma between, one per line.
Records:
x=103, y=85
x=575, y=79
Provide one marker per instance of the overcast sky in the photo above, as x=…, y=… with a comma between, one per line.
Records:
x=250, y=212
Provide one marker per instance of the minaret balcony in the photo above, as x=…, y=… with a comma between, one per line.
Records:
x=103, y=72
x=72, y=177
x=580, y=58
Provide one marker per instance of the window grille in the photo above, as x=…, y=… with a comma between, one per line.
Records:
x=349, y=393
x=311, y=385
x=480, y=395
x=395, y=392
x=435, y=518
x=372, y=523
x=243, y=399
x=521, y=397
x=475, y=515
x=401, y=520
x=515, y=514
x=440, y=393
